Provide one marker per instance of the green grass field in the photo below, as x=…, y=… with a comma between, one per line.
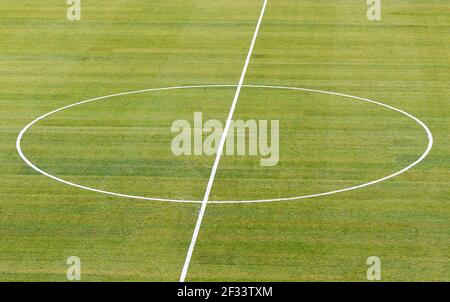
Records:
x=122, y=144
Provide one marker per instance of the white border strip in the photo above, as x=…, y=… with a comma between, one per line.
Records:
x=220, y=149
x=39, y=170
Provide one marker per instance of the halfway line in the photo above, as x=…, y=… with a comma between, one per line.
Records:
x=220, y=150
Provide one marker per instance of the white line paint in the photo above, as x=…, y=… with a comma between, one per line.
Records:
x=220, y=149
x=56, y=178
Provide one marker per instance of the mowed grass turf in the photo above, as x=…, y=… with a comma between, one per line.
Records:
x=123, y=144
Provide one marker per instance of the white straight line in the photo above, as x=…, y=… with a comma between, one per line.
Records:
x=220, y=150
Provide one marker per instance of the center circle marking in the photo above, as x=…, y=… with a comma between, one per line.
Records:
x=36, y=168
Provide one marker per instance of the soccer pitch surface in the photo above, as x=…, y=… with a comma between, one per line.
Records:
x=328, y=141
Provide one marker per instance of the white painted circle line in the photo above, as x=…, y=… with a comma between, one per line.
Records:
x=36, y=168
